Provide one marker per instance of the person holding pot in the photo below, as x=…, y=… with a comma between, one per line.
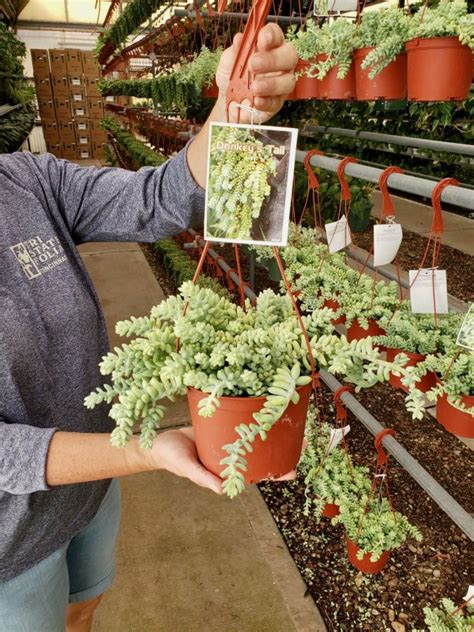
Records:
x=59, y=509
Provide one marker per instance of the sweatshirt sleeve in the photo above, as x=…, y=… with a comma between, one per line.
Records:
x=23, y=454
x=111, y=204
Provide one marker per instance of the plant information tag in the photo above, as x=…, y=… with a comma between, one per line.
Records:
x=466, y=333
x=469, y=596
x=387, y=240
x=336, y=436
x=338, y=235
x=428, y=291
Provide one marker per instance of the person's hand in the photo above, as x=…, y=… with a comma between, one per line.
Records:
x=273, y=64
x=175, y=451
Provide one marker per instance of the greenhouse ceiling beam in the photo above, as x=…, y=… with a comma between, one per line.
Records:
x=440, y=496
x=401, y=182
x=32, y=25
x=405, y=141
x=282, y=19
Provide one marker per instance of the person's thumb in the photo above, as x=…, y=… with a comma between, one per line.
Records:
x=202, y=477
x=226, y=63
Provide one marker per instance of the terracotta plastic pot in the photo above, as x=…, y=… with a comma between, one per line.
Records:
x=330, y=510
x=334, y=305
x=426, y=382
x=356, y=332
x=389, y=84
x=438, y=69
x=333, y=88
x=306, y=87
x=365, y=565
x=212, y=91
x=272, y=458
x=455, y=421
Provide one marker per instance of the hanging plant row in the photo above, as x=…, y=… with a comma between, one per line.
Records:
x=390, y=55
x=140, y=154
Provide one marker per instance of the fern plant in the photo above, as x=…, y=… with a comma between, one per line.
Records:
x=337, y=41
x=447, y=617
x=374, y=526
x=386, y=31
x=223, y=351
x=329, y=475
x=238, y=183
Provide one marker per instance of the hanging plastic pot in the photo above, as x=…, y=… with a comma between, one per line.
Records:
x=365, y=565
x=389, y=84
x=457, y=422
x=334, y=305
x=272, y=458
x=438, y=69
x=356, y=332
x=212, y=91
x=306, y=87
x=333, y=88
x=427, y=381
x=330, y=510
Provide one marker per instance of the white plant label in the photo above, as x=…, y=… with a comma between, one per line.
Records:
x=81, y=126
x=83, y=141
x=387, y=240
x=338, y=235
x=428, y=291
x=78, y=97
x=466, y=333
x=80, y=112
x=76, y=82
x=336, y=436
x=469, y=595
x=334, y=5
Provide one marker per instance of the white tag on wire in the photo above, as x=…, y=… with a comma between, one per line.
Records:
x=338, y=234
x=428, y=291
x=387, y=240
x=470, y=594
x=466, y=333
x=336, y=436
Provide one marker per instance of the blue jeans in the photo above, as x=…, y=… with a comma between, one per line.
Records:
x=37, y=600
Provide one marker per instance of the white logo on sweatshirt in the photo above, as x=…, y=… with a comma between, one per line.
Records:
x=37, y=256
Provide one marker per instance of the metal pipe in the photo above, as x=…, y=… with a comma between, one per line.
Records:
x=282, y=19
x=405, y=141
x=221, y=263
x=441, y=497
x=409, y=184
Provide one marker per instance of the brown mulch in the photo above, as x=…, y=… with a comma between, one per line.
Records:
x=459, y=265
x=418, y=574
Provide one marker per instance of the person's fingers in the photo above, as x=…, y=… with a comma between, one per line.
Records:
x=202, y=477
x=271, y=36
x=274, y=85
x=236, y=42
x=281, y=59
x=289, y=476
x=268, y=105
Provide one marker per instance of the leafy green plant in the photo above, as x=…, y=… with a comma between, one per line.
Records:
x=447, y=19
x=201, y=71
x=305, y=40
x=447, y=617
x=15, y=127
x=138, y=153
x=418, y=333
x=337, y=41
x=370, y=300
x=373, y=525
x=329, y=475
x=223, y=351
x=239, y=182
x=386, y=31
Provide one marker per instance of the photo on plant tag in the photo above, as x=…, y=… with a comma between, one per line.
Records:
x=249, y=184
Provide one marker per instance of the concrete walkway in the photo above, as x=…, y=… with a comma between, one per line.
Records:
x=188, y=560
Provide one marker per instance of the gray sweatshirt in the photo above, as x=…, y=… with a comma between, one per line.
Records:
x=52, y=331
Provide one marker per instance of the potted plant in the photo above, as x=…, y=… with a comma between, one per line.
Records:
x=416, y=335
x=447, y=617
x=453, y=391
x=201, y=72
x=329, y=475
x=334, y=67
x=380, y=60
x=306, y=43
x=365, y=304
x=439, y=52
x=246, y=374
x=373, y=529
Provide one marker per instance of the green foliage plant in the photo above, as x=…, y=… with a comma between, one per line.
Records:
x=329, y=475
x=386, y=31
x=239, y=182
x=337, y=41
x=201, y=71
x=447, y=617
x=449, y=18
x=305, y=40
x=138, y=153
x=224, y=350
x=373, y=525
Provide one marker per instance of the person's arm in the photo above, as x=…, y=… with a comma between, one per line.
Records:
x=76, y=457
